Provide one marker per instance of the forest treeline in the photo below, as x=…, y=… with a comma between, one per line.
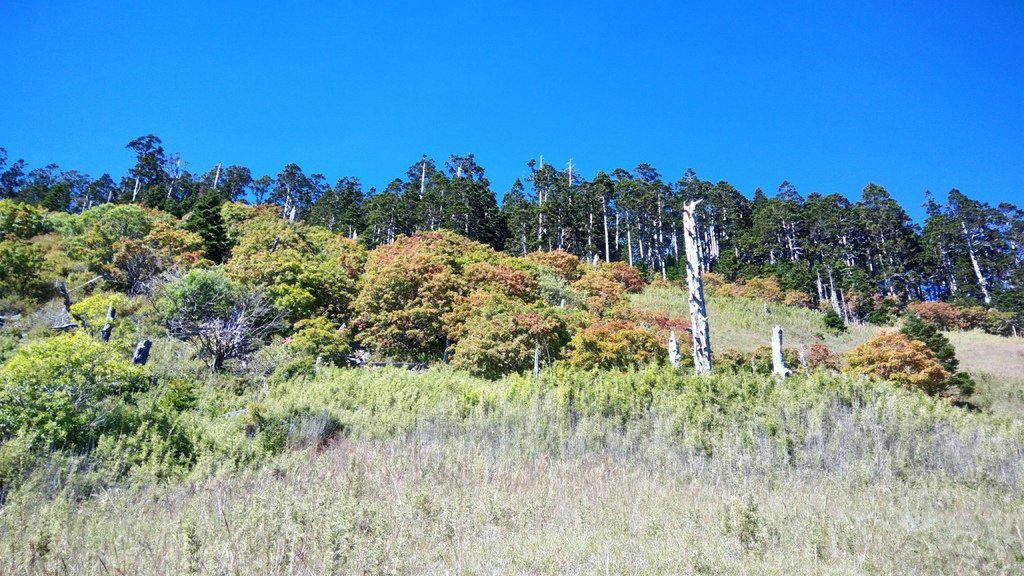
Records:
x=967, y=252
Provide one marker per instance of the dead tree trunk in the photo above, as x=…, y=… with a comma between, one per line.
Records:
x=698, y=312
x=109, y=326
x=982, y=281
x=673, y=349
x=778, y=365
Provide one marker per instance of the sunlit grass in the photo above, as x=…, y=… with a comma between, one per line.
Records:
x=419, y=506
x=997, y=365
x=651, y=472
x=742, y=323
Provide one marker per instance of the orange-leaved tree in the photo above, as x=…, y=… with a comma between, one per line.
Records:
x=894, y=357
x=615, y=344
x=409, y=287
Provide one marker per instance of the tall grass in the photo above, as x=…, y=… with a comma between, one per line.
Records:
x=654, y=471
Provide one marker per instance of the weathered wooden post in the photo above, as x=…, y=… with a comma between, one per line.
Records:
x=698, y=312
x=778, y=365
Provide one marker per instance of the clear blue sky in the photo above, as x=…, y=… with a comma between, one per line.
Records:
x=911, y=95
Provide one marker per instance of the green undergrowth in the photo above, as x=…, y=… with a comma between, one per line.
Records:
x=398, y=471
x=741, y=423
x=744, y=422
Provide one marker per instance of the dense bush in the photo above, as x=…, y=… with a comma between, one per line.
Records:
x=833, y=321
x=321, y=339
x=408, y=287
x=615, y=344
x=894, y=357
x=948, y=317
x=562, y=263
x=62, y=389
x=20, y=262
x=501, y=335
x=306, y=269
x=919, y=330
x=603, y=292
x=21, y=221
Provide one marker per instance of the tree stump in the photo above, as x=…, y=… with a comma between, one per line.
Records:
x=141, y=355
x=778, y=365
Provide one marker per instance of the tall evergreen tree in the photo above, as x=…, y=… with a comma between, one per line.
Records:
x=205, y=219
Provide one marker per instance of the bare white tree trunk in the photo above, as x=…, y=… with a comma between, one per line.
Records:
x=629, y=244
x=536, y=361
x=832, y=289
x=982, y=281
x=604, y=210
x=673, y=349
x=423, y=179
x=778, y=366
x=698, y=312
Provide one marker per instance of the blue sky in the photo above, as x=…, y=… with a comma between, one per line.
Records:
x=911, y=95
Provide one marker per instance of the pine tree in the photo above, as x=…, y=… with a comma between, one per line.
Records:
x=206, y=221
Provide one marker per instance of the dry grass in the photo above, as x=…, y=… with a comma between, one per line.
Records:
x=421, y=507
x=997, y=365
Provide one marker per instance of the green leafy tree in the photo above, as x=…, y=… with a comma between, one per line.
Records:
x=307, y=270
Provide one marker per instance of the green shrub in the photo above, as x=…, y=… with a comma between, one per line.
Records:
x=20, y=262
x=501, y=335
x=63, y=388
x=615, y=344
x=323, y=339
x=923, y=331
x=834, y=322
x=22, y=221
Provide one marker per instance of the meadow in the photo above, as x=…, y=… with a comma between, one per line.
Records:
x=655, y=471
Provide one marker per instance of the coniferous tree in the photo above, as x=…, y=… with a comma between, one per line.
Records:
x=205, y=220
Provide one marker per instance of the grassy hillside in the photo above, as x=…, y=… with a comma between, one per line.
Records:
x=742, y=323
x=996, y=363
x=655, y=471
x=418, y=506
